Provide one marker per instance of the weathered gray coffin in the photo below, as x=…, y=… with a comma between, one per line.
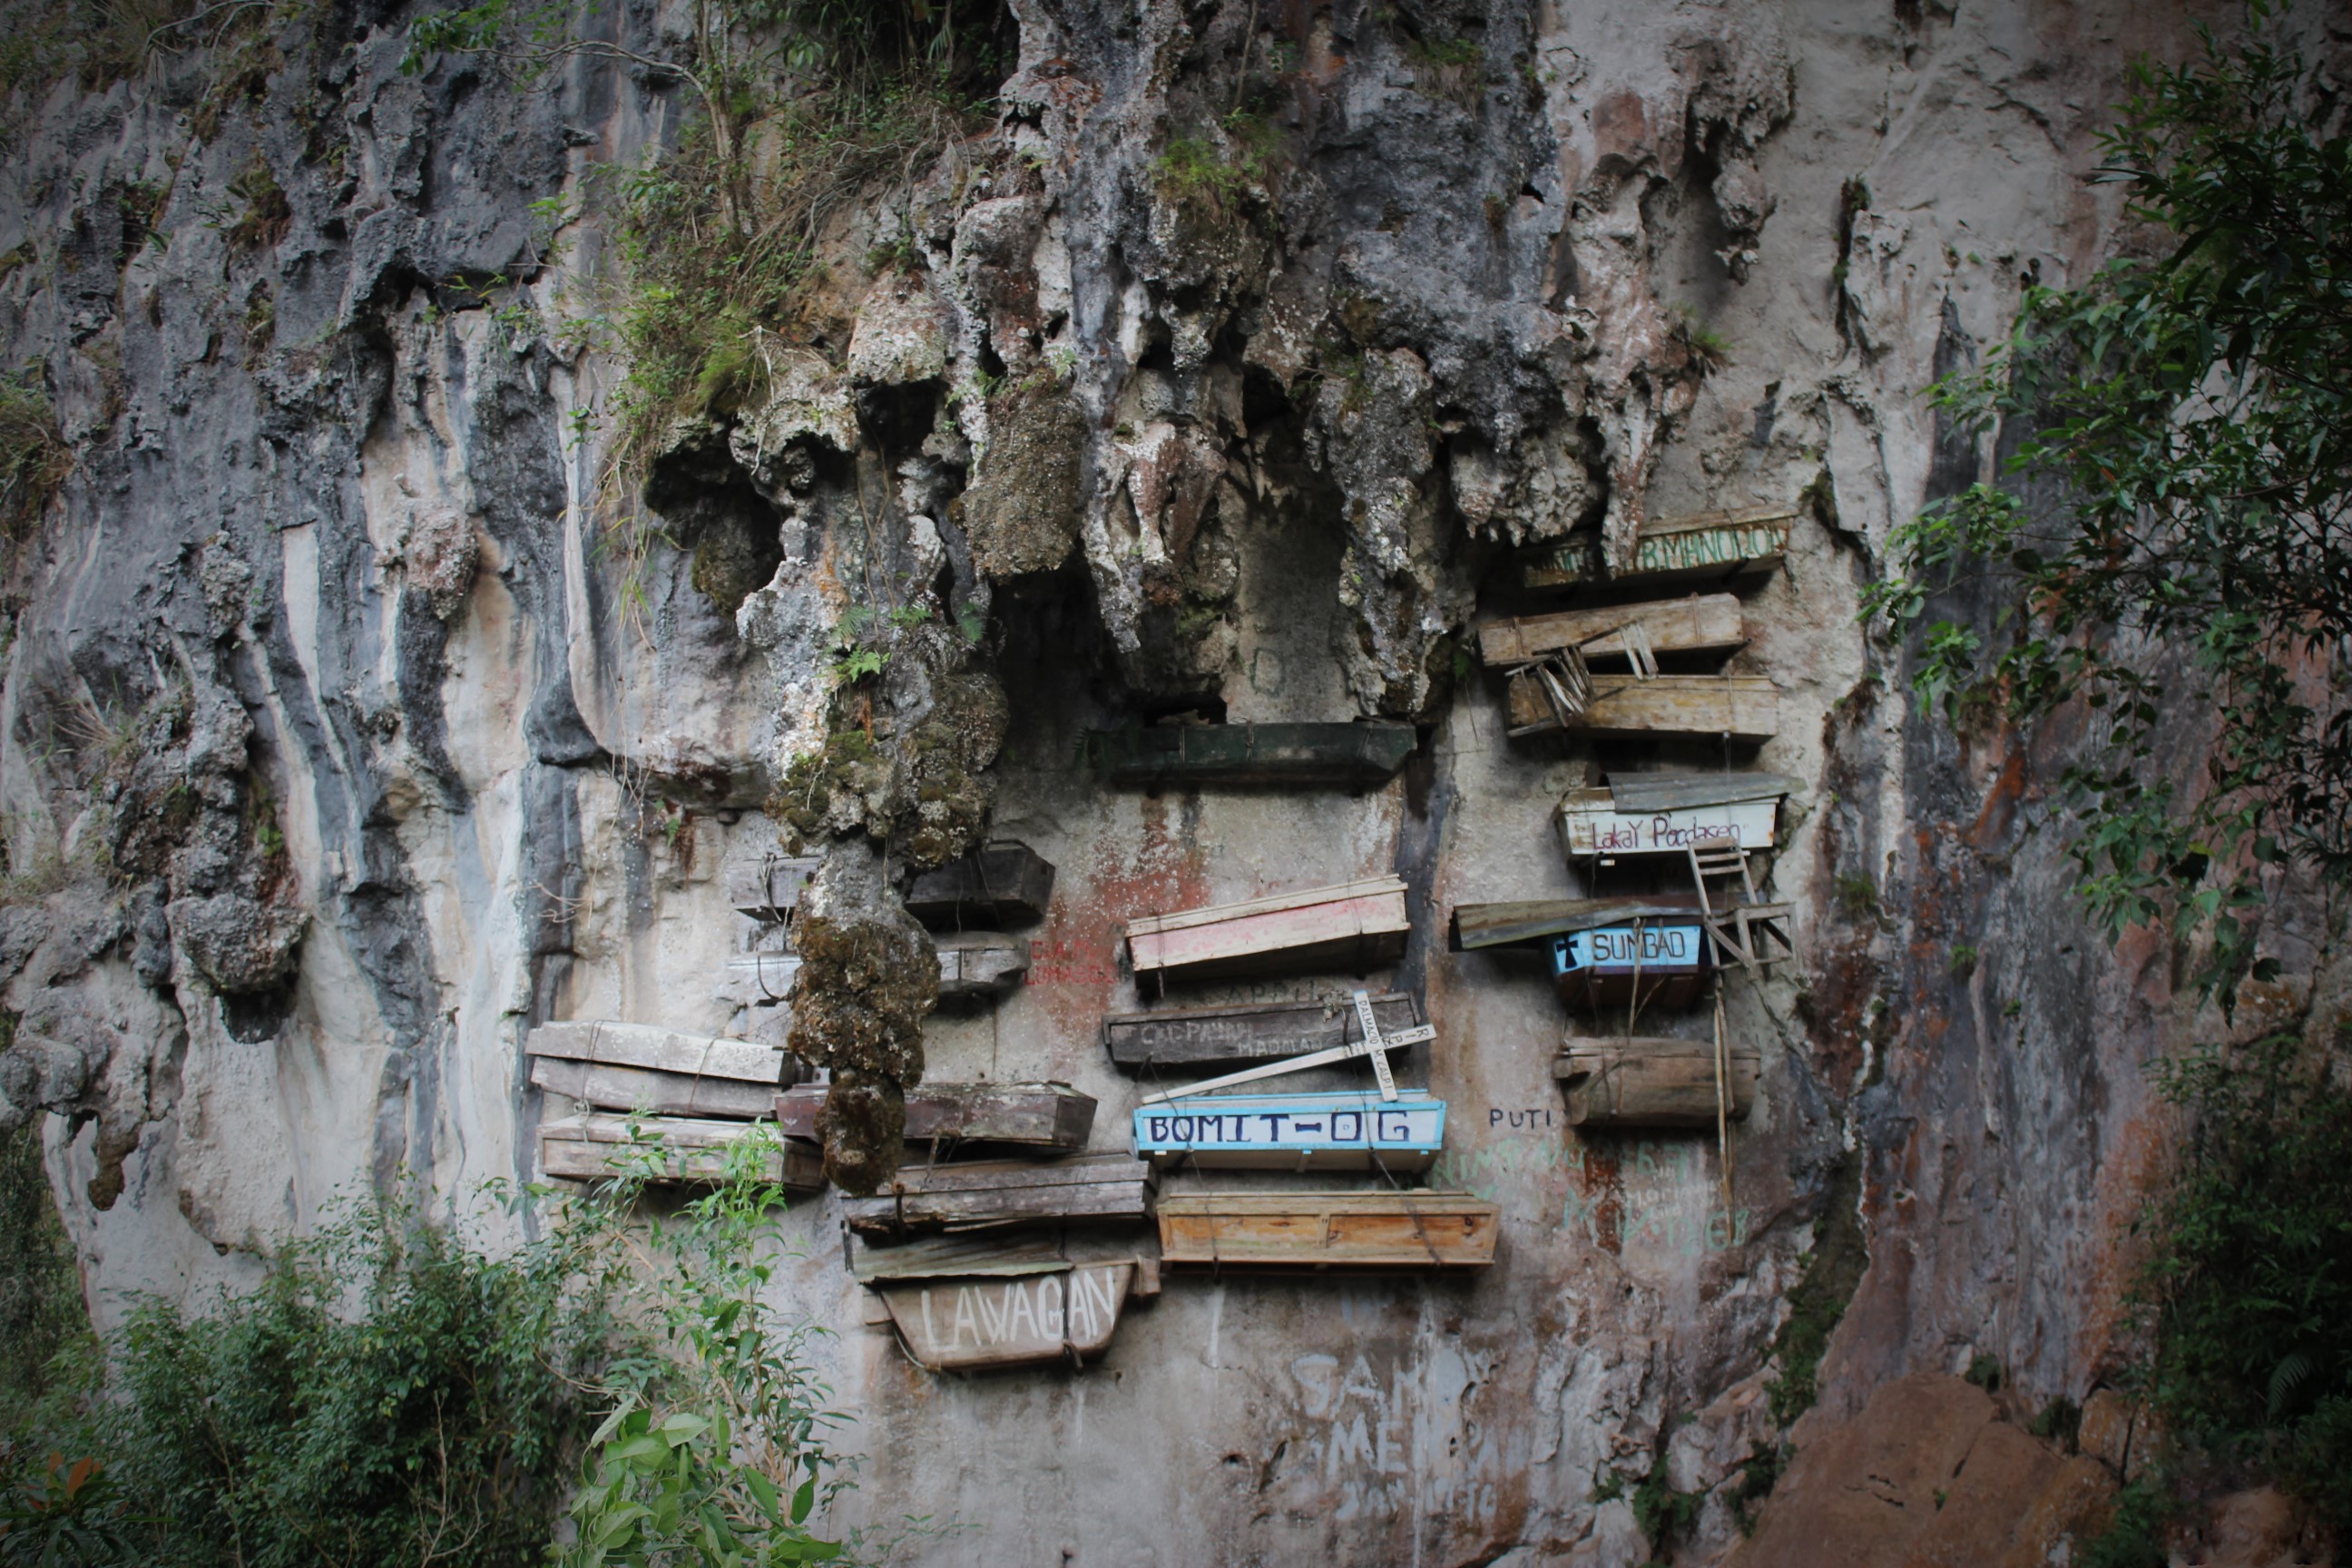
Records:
x=640, y=1088
x=1188, y=1040
x=769, y=888
x=998, y=1254
x=1353, y=754
x=1040, y=1115
x=1527, y=923
x=1713, y=545
x=1353, y=925
x=655, y=1049
x=1088, y=1189
x=1649, y=1082
x=1006, y=883
x=686, y=1149
x=980, y=963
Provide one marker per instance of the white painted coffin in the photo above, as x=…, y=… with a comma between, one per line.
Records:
x=1597, y=822
x=1353, y=924
x=1062, y=1312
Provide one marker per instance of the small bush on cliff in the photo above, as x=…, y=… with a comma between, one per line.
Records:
x=33, y=456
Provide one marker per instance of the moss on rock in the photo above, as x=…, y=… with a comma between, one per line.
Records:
x=1023, y=509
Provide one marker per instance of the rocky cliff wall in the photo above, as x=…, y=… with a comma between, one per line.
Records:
x=337, y=747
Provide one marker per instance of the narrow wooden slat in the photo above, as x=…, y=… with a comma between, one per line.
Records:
x=1407, y=1230
x=1681, y=792
x=1745, y=707
x=662, y=1050
x=768, y=888
x=1649, y=1082
x=1189, y=1039
x=1272, y=903
x=1359, y=930
x=1704, y=623
x=1045, y=1115
x=953, y=1256
x=640, y=1088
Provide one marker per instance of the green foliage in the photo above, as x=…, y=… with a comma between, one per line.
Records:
x=33, y=456
x=40, y=1289
x=2191, y=409
x=1758, y=1473
x=1197, y=173
x=2250, y=1281
x=1660, y=1512
x=2135, y=1535
x=1984, y=1371
x=266, y=215
x=1833, y=1270
x=2057, y=1421
x=62, y=1511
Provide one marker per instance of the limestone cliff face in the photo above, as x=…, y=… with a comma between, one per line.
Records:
x=335, y=750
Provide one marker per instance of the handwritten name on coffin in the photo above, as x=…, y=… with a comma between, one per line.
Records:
x=1591, y=831
x=1615, y=949
x=1180, y=1127
x=950, y=1325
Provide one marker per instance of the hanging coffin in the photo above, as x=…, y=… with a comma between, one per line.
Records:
x=1704, y=623
x=1056, y=1312
x=644, y=1067
x=1668, y=813
x=1646, y=961
x=981, y=963
x=1097, y=1189
x=1477, y=927
x=1343, y=1130
x=1652, y=1082
x=769, y=887
x=1744, y=706
x=1350, y=754
x=667, y=1149
x=1199, y=1039
x=1390, y=1230
x=1006, y=883
x=1038, y=1115
x=1354, y=925
x=1714, y=545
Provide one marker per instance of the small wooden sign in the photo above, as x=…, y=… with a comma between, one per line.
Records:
x=1642, y=1082
x=1007, y=883
x=1062, y=1314
x=1607, y=823
x=1353, y=925
x=1704, y=623
x=1039, y=1115
x=669, y=1148
x=1639, y=961
x=1744, y=706
x=1188, y=1040
x=1338, y=1130
x=1351, y=754
x=1708, y=546
x=1391, y=1230
x=1091, y=1189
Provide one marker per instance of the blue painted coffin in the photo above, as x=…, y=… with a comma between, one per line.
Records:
x=1341, y=1129
x=1663, y=958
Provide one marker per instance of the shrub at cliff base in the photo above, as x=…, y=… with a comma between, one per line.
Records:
x=389, y=1394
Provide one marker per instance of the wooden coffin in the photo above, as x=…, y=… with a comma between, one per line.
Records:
x=1713, y=545
x=1054, y=1314
x=1649, y=1082
x=1354, y=925
x=1674, y=814
x=977, y=964
x=1704, y=623
x=654, y=1048
x=1189, y=1039
x=769, y=887
x=1351, y=754
x=1744, y=706
x=1387, y=1230
x=1091, y=1189
x=1532, y=923
x=759, y=979
x=1643, y=961
x=1037, y=1115
x=640, y=1088
x=1007, y=883
x=1338, y=1130
x=671, y=1148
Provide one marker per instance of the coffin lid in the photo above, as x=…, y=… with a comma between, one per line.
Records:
x=1183, y=920
x=1675, y=792
x=1507, y=925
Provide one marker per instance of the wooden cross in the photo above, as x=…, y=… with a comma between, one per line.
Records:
x=1374, y=1045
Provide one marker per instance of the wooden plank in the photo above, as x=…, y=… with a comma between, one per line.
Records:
x=1638, y=793
x=1199, y=1039
x=1326, y=1230
x=1704, y=623
x=1643, y=961
x=769, y=887
x=981, y=963
x=982, y=1324
x=1336, y=1131
x=1040, y=1115
x=955, y=1257
x=1744, y=706
x=678, y=1149
x=641, y=1088
x=1706, y=545
x=1355, y=924
x=760, y=979
x=1478, y=926
x=1004, y=883
x=1645, y=1082
x=659, y=1050
x=1591, y=824
x=1354, y=755
x=1103, y=1189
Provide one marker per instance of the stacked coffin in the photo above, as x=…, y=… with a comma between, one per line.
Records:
x=1230, y=1122
x=664, y=1105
